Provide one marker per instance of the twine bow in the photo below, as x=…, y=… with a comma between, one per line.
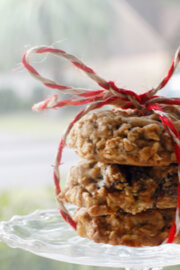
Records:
x=110, y=94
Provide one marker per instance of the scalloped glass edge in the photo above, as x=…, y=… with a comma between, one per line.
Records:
x=46, y=234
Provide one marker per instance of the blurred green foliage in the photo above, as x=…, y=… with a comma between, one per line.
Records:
x=24, y=201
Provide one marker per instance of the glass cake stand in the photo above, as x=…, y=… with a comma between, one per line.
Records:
x=45, y=233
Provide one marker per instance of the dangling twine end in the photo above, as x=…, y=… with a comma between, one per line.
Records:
x=110, y=94
x=49, y=103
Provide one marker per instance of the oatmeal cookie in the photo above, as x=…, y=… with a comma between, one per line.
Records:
x=107, y=188
x=149, y=228
x=125, y=137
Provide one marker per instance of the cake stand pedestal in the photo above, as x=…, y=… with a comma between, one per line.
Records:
x=45, y=233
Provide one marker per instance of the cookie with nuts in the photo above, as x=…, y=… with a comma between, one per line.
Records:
x=149, y=228
x=125, y=137
x=105, y=189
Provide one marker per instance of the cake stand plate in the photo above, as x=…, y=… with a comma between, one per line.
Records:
x=45, y=233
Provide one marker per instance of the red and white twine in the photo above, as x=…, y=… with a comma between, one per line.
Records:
x=108, y=94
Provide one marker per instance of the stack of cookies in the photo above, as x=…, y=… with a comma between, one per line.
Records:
x=125, y=186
